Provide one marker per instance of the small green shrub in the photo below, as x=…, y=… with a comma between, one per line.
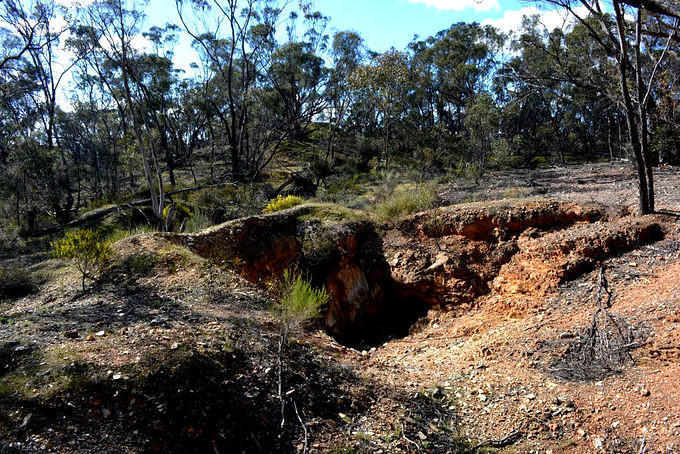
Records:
x=117, y=234
x=86, y=250
x=282, y=203
x=404, y=202
x=299, y=302
x=198, y=221
x=139, y=265
x=223, y=204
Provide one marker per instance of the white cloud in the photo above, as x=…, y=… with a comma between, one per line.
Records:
x=459, y=5
x=550, y=18
x=141, y=43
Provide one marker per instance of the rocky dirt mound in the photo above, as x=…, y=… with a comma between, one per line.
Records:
x=501, y=219
x=334, y=247
x=544, y=263
x=455, y=254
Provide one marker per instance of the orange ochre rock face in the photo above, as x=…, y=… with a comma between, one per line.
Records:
x=451, y=255
x=543, y=263
x=457, y=253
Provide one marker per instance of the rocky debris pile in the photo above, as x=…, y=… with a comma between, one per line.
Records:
x=455, y=254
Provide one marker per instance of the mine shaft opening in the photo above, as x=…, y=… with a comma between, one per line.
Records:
x=404, y=311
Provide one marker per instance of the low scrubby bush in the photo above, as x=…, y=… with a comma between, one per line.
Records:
x=15, y=281
x=298, y=303
x=404, y=202
x=86, y=249
x=198, y=221
x=223, y=204
x=282, y=203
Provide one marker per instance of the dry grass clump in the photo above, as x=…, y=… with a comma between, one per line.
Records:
x=406, y=201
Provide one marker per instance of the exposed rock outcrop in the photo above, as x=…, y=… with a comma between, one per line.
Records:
x=497, y=220
x=546, y=262
x=335, y=247
x=451, y=255
x=454, y=254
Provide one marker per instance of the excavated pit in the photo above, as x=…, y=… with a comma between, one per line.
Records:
x=456, y=254
x=336, y=248
x=382, y=283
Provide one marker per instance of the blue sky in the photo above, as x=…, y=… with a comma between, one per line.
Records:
x=382, y=23
x=387, y=23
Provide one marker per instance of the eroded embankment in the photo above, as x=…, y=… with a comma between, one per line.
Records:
x=381, y=283
x=458, y=253
x=336, y=248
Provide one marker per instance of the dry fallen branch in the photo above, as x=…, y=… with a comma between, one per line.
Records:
x=304, y=427
x=403, y=435
x=605, y=345
x=508, y=440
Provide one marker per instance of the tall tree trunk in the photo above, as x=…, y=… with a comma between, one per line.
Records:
x=609, y=139
x=642, y=114
x=156, y=193
x=622, y=60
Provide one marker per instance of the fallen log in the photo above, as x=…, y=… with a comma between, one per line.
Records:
x=102, y=213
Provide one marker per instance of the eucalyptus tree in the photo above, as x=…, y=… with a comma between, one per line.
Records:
x=106, y=39
x=39, y=26
x=463, y=57
x=482, y=120
x=625, y=41
x=297, y=75
x=385, y=81
x=347, y=53
x=21, y=188
x=561, y=87
x=27, y=28
x=450, y=68
x=234, y=60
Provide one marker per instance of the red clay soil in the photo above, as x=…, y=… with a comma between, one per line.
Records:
x=494, y=355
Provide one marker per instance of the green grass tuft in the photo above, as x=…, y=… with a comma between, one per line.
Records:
x=404, y=202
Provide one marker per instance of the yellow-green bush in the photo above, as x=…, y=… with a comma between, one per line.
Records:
x=404, y=202
x=182, y=210
x=299, y=301
x=86, y=250
x=282, y=203
x=173, y=213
